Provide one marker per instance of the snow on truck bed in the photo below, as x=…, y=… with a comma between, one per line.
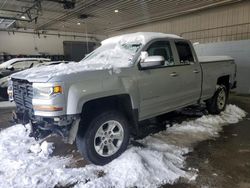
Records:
x=26, y=163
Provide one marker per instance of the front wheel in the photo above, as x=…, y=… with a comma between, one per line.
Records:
x=106, y=137
x=218, y=102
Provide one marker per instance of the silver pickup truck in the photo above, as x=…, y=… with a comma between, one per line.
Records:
x=100, y=101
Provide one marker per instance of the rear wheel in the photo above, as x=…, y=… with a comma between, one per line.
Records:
x=106, y=137
x=218, y=102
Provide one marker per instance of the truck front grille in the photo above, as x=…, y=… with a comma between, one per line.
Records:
x=23, y=94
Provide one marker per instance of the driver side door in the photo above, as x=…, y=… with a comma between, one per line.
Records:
x=158, y=86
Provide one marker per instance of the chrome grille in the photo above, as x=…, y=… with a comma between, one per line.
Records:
x=23, y=94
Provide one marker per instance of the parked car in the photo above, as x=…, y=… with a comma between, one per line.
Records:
x=130, y=78
x=17, y=64
x=7, y=73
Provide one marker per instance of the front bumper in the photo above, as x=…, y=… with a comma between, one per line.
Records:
x=44, y=116
x=44, y=126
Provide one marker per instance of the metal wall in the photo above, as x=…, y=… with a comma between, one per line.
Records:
x=76, y=50
x=224, y=23
x=212, y=28
x=240, y=51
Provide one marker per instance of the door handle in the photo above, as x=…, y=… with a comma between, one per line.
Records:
x=173, y=74
x=195, y=71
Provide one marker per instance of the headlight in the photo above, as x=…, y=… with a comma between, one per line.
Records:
x=46, y=90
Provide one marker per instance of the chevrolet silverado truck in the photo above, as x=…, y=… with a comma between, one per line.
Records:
x=100, y=101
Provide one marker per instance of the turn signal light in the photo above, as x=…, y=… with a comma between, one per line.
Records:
x=47, y=108
x=57, y=89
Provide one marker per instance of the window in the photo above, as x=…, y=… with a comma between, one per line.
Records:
x=36, y=62
x=162, y=48
x=184, y=52
x=24, y=64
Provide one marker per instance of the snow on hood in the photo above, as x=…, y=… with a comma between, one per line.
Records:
x=45, y=73
x=110, y=56
x=27, y=163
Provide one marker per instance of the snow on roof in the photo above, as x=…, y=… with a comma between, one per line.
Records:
x=139, y=37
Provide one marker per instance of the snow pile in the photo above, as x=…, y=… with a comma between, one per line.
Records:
x=21, y=165
x=189, y=132
x=26, y=163
x=44, y=150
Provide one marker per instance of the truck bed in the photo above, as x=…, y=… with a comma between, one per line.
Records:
x=214, y=67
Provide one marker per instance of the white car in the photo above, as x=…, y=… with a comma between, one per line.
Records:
x=22, y=63
x=5, y=73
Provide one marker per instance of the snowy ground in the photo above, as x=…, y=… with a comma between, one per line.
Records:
x=27, y=163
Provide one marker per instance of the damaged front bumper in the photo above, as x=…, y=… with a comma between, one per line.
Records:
x=46, y=115
x=65, y=126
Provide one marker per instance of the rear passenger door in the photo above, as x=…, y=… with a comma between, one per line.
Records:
x=188, y=72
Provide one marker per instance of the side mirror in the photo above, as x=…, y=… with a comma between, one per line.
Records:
x=10, y=68
x=152, y=62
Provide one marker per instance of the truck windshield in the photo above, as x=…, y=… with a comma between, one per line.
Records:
x=114, y=54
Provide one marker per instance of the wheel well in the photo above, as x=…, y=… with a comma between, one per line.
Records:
x=121, y=103
x=224, y=80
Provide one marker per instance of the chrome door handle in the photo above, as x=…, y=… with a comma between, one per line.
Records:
x=196, y=71
x=173, y=74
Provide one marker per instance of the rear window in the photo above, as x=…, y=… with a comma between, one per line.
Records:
x=184, y=52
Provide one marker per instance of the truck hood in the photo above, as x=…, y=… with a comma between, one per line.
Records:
x=57, y=72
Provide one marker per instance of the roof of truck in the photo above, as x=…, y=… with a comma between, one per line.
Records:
x=139, y=37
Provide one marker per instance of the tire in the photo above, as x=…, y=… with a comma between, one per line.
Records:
x=218, y=102
x=106, y=138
